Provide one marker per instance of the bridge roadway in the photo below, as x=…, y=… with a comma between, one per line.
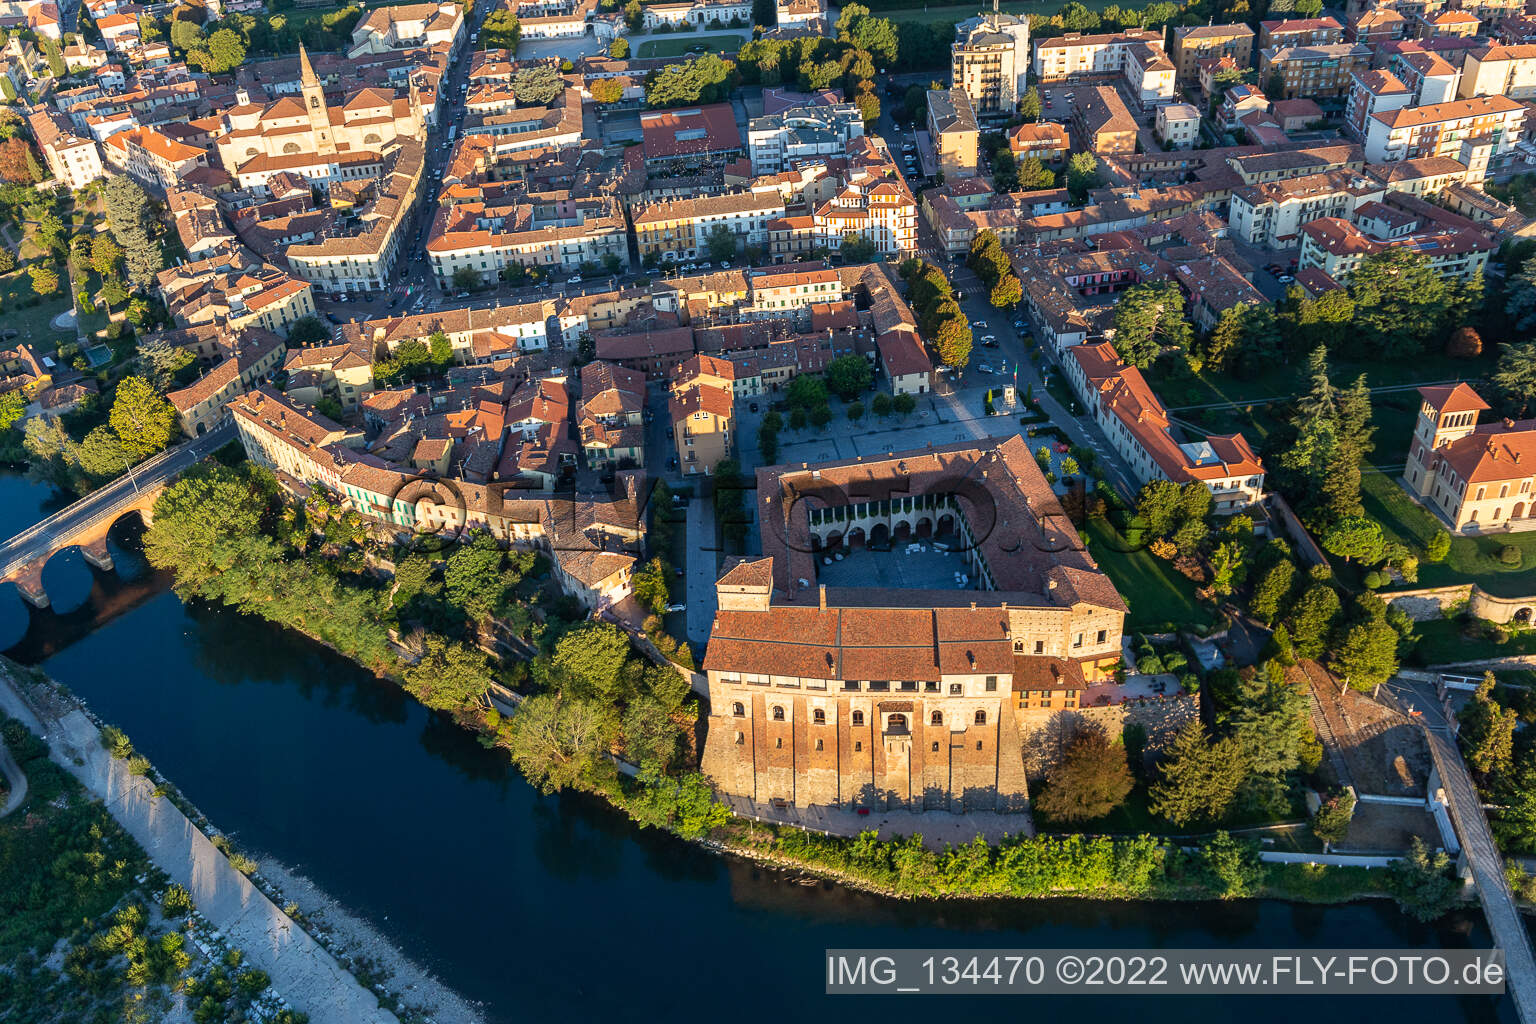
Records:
x=1421, y=703
x=99, y=509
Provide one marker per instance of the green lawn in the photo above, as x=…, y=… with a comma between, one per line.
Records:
x=34, y=324
x=1156, y=594
x=1472, y=559
x=1442, y=642
x=679, y=43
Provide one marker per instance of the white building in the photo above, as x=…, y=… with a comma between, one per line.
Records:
x=1178, y=125
x=990, y=61
x=777, y=141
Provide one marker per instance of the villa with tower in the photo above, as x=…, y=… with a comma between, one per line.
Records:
x=1478, y=477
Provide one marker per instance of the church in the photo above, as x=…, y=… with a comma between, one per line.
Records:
x=306, y=136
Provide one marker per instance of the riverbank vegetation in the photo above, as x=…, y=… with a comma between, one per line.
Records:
x=91, y=932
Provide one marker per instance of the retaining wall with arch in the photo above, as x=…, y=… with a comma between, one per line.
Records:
x=1432, y=603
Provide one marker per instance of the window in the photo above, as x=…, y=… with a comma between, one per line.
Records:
x=908, y=687
x=858, y=718
x=930, y=687
x=850, y=684
x=858, y=745
x=740, y=738
x=1079, y=641
x=819, y=717
x=991, y=684
x=978, y=744
x=981, y=718
x=935, y=746
x=1103, y=635
x=937, y=718
x=778, y=713
x=955, y=689
x=779, y=743
x=819, y=745
x=738, y=710
x=1039, y=646
x=879, y=685
x=896, y=723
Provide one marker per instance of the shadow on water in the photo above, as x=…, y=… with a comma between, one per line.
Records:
x=557, y=907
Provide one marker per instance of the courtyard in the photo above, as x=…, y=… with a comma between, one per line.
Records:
x=908, y=565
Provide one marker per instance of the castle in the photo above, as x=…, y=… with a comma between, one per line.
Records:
x=894, y=697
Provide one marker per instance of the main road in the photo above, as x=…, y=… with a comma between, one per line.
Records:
x=43, y=539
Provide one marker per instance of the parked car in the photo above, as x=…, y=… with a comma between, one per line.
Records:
x=671, y=434
x=575, y=279
x=1285, y=278
x=753, y=406
x=333, y=318
x=676, y=608
x=983, y=368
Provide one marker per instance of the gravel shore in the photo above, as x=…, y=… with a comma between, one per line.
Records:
x=351, y=938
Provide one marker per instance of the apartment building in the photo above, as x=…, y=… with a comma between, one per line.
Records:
x=1077, y=56
x=1375, y=26
x=990, y=61
x=1149, y=75
x=1178, y=125
x=1194, y=43
x=1446, y=25
x=953, y=129
x=702, y=409
x=1271, y=214
x=777, y=142
x=531, y=229
x=1430, y=77
x=343, y=372
x=1045, y=141
x=73, y=160
x=1103, y=121
x=679, y=229
x=1314, y=72
x=611, y=420
x=152, y=159
x=1477, y=131
x=1499, y=71
x=1299, y=32
x=1372, y=93
x=1336, y=246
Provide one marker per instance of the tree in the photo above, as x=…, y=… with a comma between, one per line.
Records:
x=130, y=217
x=536, y=86
x=856, y=26
x=45, y=279
x=449, y=676
x=1438, y=546
x=186, y=35
x=1464, y=343
x=634, y=15
x=1274, y=87
x=806, y=392
x=102, y=455
x=856, y=248
x=1400, y=301
x=466, y=278
x=224, y=51
x=868, y=102
x=650, y=586
x=159, y=361
x=1515, y=376
x=1367, y=657
x=1091, y=781
x=12, y=408
x=707, y=79
x=1029, y=105
x=880, y=405
x=607, y=90
x=1331, y=822
x=1034, y=175
x=1231, y=866
x=307, y=330
x=143, y=420
x=1355, y=538
x=1311, y=620
x=17, y=164
x=1148, y=318
x=619, y=49
x=720, y=245
x=1007, y=292
x=952, y=340
x=105, y=255
x=1082, y=175
x=1227, y=568
x=558, y=742
x=848, y=376
x=1488, y=732
x=592, y=654
x=1199, y=780
x=502, y=30
x=904, y=404
x=7, y=260
x=1421, y=882
x=1272, y=593
x=476, y=578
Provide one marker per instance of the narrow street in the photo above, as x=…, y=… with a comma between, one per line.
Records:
x=703, y=568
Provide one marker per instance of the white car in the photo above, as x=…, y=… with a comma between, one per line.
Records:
x=983, y=368
x=574, y=280
x=979, y=324
x=677, y=608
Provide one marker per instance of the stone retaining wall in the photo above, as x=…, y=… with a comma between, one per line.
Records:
x=1431, y=603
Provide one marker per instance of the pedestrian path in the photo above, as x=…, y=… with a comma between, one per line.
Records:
x=301, y=970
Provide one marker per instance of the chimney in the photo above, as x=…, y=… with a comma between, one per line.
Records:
x=823, y=596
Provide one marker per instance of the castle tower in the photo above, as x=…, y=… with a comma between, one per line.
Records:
x=1447, y=414
x=314, y=105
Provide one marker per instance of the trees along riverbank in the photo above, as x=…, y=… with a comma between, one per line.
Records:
x=229, y=535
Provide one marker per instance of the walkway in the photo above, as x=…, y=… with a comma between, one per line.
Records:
x=1477, y=844
x=108, y=501
x=703, y=568
x=302, y=971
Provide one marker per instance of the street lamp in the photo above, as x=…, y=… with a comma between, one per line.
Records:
x=131, y=478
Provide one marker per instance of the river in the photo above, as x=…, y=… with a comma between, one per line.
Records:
x=556, y=908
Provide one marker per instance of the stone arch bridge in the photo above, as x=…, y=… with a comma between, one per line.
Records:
x=85, y=523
